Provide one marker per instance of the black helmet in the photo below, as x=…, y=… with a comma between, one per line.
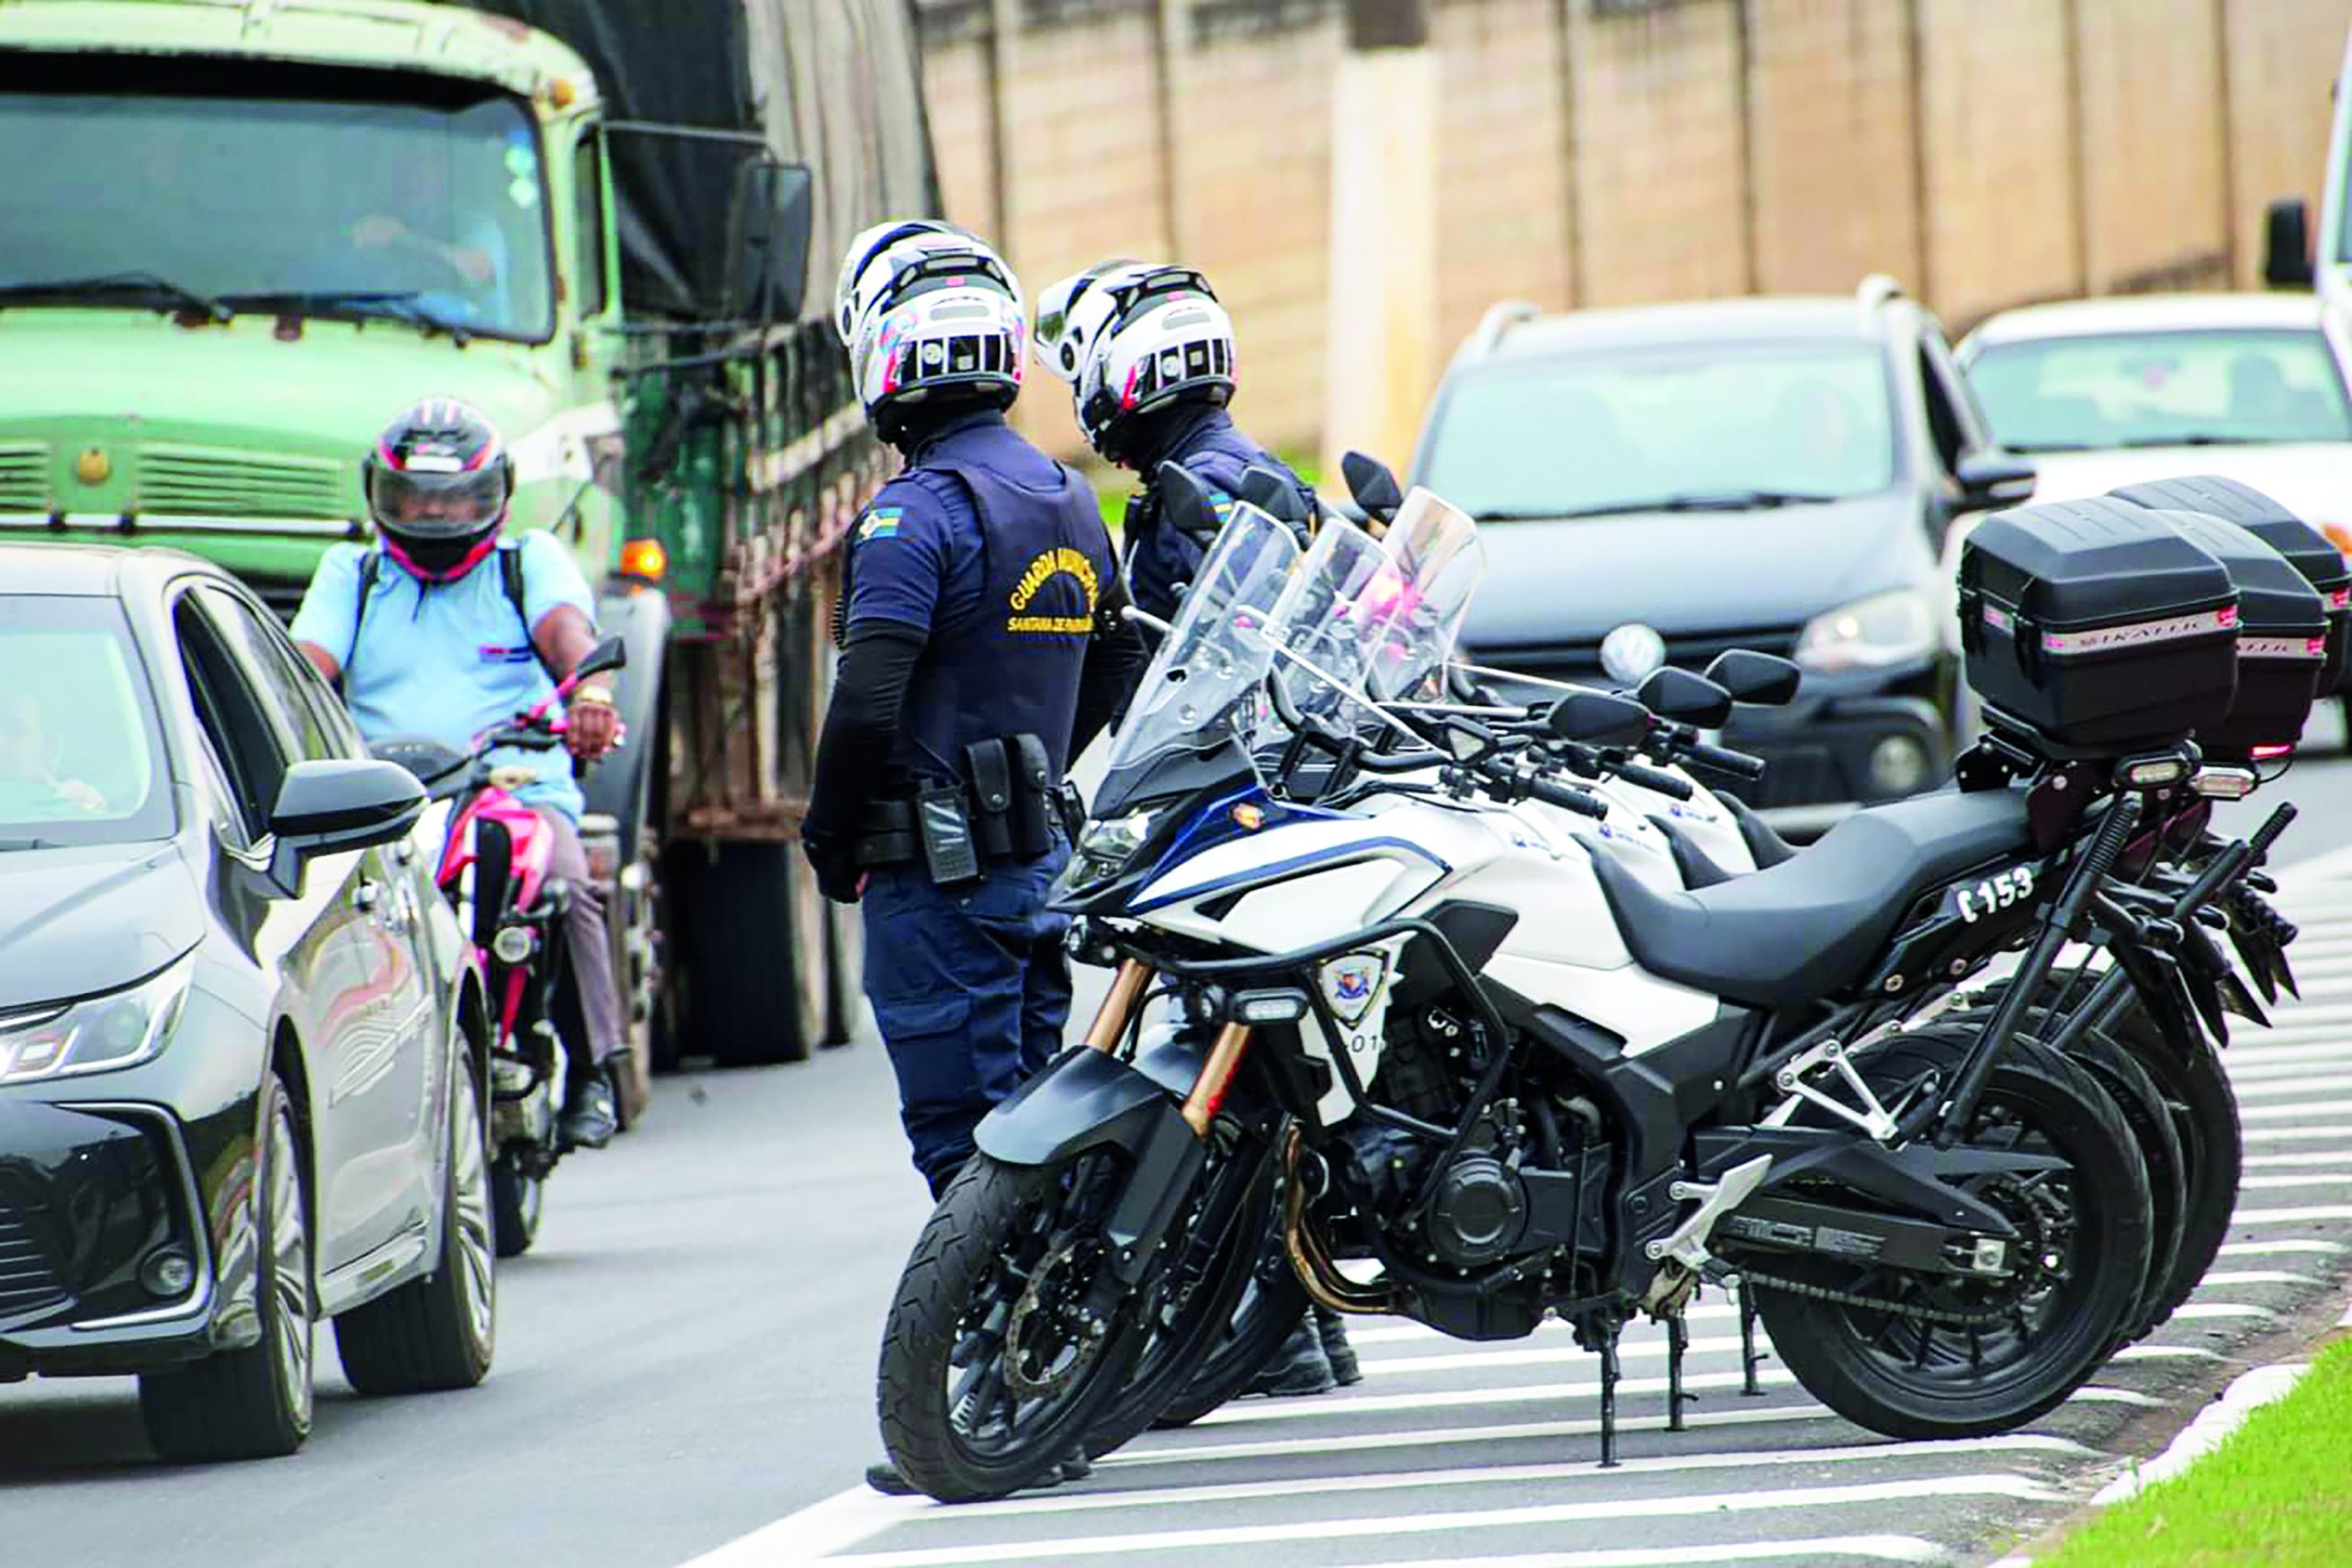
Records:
x=438, y=482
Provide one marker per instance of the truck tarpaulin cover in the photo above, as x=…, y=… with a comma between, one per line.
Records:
x=833, y=84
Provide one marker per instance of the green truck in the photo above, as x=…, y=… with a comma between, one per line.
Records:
x=236, y=236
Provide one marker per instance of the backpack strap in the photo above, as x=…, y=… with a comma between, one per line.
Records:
x=371, y=562
x=510, y=577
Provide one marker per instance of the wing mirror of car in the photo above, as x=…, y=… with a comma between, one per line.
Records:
x=1685, y=698
x=2286, y=243
x=609, y=655
x=1372, y=484
x=336, y=803
x=1994, y=478
x=1765, y=679
x=768, y=229
x=1600, y=718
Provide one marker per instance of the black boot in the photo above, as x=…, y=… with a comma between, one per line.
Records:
x=591, y=1113
x=1333, y=1330
x=1298, y=1367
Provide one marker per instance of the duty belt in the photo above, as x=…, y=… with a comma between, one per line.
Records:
x=1003, y=809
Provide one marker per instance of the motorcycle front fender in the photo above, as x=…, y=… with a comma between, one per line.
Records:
x=1089, y=1100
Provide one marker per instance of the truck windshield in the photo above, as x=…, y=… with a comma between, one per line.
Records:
x=250, y=194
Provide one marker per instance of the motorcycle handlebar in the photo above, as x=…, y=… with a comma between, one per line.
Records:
x=1568, y=797
x=1722, y=760
x=1652, y=779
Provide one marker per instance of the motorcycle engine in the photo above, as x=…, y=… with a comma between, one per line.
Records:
x=1480, y=1208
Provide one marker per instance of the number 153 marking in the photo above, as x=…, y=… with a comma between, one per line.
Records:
x=2002, y=891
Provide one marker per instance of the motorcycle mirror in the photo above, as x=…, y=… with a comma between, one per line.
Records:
x=1685, y=698
x=610, y=654
x=1467, y=742
x=1600, y=718
x=1275, y=496
x=1373, y=487
x=1765, y=679
x=1185, y=502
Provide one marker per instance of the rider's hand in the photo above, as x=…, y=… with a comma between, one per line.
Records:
x=590, y=726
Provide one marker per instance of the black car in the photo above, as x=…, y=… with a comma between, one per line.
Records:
x=241, y=1041
x=1663, y=482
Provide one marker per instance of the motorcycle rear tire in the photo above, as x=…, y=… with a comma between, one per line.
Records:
x=516, y=1197
x=1841, y=1362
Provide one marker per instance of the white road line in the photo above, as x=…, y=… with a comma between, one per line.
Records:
x=1875, y=1547
x=2282, y=1112
x=1401, y=1333
x=2308, y=1178
x=1352, y=1406
x=1522, y=1431
x=2308, y=1157
x=2014, y=1487
x=819, y=1530
x=2291, y=1216
x=2268, y=1072
x=2267, y=1135
x=2258, y=1277
x=2219, y=1310
x=1728, y=1344
x=2253, y=1248
x=2267, y=1088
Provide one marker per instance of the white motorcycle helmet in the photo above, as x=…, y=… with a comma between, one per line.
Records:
x=1132, y=337
x=928, y=312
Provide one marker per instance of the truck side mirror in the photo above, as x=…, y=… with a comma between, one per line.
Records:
x=767, y=240
x=2286, y=243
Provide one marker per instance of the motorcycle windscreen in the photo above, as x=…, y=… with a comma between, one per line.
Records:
x=1205, y=687
x=1377, y=617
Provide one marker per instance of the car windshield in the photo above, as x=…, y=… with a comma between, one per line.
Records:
x=2161, y=390
x=81, y=760
x=274, y=189
x=1700, y=425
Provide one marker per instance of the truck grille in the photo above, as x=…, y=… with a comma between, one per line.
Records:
x=24, y=476
x=27, y=1282
x=198, y=481
x=1581, y=660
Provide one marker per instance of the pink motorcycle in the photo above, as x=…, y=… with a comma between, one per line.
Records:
x=494, y=868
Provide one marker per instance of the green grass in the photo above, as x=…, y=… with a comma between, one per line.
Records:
x=2278, y=1492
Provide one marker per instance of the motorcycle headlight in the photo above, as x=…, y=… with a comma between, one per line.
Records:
x=1884, y=629
x=1106, y=846
x=98, y=1034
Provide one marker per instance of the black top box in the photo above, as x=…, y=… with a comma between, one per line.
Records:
x=2282, y=639
x=2310, y=551
x=2098, y=625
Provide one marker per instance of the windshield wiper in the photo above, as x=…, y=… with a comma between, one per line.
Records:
x=128, y=286
x=1691, y=501
x=398, y=305
x=2143, y=441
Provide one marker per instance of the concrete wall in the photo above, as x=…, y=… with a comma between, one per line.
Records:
x=1604, y=152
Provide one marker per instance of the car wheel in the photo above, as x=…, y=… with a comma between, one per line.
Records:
x=438, y=1332
x=516, y=1196
x=255, y=1403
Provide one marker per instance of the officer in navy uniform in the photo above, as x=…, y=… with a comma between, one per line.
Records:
x=1148, y=354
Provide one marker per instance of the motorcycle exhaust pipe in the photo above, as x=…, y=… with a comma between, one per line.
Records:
x=1326, y=1286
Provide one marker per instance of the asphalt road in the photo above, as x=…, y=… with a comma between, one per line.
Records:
x=686, y=1362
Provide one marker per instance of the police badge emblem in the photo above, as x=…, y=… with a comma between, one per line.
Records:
x=1351, y=984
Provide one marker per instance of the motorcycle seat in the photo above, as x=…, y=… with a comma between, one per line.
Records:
x=1809, y=927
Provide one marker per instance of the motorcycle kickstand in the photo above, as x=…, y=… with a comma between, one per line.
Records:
x=1609, y=1396
x=1678, y=1340
x=1749, y=1359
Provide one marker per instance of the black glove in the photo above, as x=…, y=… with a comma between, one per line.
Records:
x=838, y=877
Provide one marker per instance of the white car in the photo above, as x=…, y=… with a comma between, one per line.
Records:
x=2114, y=391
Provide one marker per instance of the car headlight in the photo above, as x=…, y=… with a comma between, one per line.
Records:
x=96, y=1035
x=1895, y=627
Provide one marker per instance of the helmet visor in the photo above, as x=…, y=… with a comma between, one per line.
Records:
x=423, y=502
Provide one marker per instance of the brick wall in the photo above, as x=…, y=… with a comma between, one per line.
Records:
x=1984, y=151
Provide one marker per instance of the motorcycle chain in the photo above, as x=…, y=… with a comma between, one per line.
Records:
x=1877, y=1303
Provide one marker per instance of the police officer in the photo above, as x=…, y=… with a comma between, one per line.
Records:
x=981, y=649
x=1148, y=354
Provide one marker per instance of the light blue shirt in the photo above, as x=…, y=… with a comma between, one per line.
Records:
x=447, y=660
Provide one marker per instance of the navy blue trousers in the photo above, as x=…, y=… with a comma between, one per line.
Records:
x=971, y=989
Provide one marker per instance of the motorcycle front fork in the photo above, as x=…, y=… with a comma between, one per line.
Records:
x=1208, y=1092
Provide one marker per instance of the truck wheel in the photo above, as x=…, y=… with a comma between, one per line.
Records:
x=844, y=972
x=751, y=916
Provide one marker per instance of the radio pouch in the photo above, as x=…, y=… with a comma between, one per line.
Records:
x=945, y=826
x=990, y=773
x=1032, y=788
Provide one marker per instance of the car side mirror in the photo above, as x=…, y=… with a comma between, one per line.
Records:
x=1372, y=485
x=1993, y=479
x=1186, y=503
x=609, y=655
x=1765, y=679
x=1600, y=718
x=1685, y=698
x=768, y=227
x=336, y=803
x=2286, y=243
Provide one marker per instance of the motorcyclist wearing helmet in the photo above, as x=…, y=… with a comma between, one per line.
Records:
x=1148, y=354
x=443, y=629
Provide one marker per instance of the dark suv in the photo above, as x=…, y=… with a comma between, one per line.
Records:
x=1662, y=482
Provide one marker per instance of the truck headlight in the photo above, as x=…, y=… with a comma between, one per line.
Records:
x=98, y=1034
x=1895, y=627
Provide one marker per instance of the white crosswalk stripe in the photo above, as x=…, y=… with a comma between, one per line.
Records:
x=1485, y=1453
